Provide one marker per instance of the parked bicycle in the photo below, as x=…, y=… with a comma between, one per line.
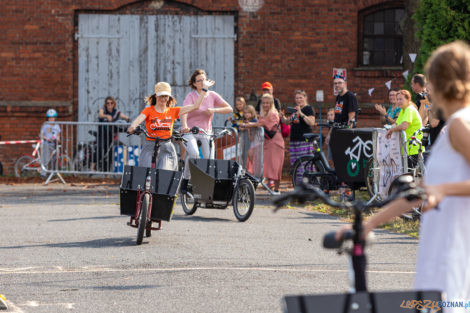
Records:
x=148, y=195
x=30, y=165
x=215, y=184
x=315, y=169
x=88, y=152
x=358, y=300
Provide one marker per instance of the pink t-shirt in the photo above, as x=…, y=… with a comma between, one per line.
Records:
x=199, y=117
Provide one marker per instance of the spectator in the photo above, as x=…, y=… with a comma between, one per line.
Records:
x=249, y=116
x=408, y=121
x=345, y=106
x=390, y=115
x=50, y=136
x=273, y=142
x=107, y=114
x=443, y=254
x=237, y=116
x=418, y=83
x=267, y=88
x=301, y=123
x=159, y=117
x=212, y=104
x=436, y=122
x=330, y=117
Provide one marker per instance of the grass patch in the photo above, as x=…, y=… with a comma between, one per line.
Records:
x=397, y=225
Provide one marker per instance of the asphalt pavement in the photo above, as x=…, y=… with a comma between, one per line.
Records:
x=67, y=249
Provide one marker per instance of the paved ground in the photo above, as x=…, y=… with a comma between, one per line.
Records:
x=66, y=249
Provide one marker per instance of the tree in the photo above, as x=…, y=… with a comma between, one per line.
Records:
x=439, y=22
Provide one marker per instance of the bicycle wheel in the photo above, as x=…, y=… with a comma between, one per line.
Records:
x=64, y=163
x=371, y=187
x=300, y=168
x=26, y=166
x=244, y=200
x=188, y=202
x=142, y=218
x=415, y=213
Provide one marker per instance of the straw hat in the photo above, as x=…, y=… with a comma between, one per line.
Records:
x=163, y=89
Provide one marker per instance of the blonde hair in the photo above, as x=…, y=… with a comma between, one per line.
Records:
x=242, y=100
x=272, y=108
x=250, y=109
x=448, y=70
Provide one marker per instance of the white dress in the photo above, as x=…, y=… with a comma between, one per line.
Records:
x=444, y=247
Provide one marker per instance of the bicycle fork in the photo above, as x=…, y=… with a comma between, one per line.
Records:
x=140, y=199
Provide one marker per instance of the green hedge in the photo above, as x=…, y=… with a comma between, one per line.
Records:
x=439, y=22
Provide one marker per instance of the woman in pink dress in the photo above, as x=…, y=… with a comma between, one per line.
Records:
x=273, y=147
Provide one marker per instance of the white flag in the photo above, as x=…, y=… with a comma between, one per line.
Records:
x=412, y=57
x=405, y=74
x=389, y=84
x=371, y=91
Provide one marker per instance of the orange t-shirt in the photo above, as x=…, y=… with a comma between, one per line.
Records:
x=160, y=124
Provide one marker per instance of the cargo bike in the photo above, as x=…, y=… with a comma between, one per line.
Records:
x=215, y=184
x=148, y=195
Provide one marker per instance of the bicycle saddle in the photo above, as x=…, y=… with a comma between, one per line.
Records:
x=311, y=136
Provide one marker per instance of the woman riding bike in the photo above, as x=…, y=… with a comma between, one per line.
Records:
x=202, y=117
x=159, y=118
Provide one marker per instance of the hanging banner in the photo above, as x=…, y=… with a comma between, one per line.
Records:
x=371, y=91
x=389, y=84
x=405, y=74
x=412, y=57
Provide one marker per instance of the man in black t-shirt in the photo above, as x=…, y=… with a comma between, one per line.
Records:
x=345, y=105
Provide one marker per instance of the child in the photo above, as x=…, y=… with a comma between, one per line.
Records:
x=237, y=117
x=249, y=116
x=330, y=116
x=50, y=136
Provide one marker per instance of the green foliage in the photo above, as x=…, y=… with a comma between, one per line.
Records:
x=440, y=22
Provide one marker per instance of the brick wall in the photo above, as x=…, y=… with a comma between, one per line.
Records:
x=293, y=44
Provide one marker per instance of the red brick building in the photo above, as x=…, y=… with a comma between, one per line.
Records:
x=293, y=44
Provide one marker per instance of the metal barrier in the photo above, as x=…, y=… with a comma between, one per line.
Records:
x=104, y=148
x=88, y=148
x=251, y=154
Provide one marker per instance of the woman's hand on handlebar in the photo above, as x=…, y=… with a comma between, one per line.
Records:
x=185, y=130
x=435, y=194
x=131, y=130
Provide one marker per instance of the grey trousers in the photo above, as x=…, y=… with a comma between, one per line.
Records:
x=167, y=157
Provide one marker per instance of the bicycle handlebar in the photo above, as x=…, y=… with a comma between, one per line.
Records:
x=331, y=125
x=196, y=130
x=139, y=130
x=305, y=192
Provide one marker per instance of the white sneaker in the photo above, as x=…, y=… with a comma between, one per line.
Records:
x=275, y=193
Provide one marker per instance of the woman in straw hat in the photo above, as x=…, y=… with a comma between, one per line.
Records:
x=212, y=104
x=159, y=117
x=444, y=254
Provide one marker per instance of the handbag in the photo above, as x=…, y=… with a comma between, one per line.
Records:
x=269, y=134
x=285, y=130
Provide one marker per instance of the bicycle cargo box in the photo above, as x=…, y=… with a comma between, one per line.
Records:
x=164, y=187
x=213, y=180
x=365, y=302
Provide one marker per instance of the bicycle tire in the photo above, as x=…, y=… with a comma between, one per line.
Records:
x=370, y=177
x=142, y=219
x=415, y=213
x=299, y=169
x=244, y=194
x=188, y=202
x=26, y=166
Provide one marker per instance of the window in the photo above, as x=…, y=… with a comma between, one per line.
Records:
x=381, y=37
